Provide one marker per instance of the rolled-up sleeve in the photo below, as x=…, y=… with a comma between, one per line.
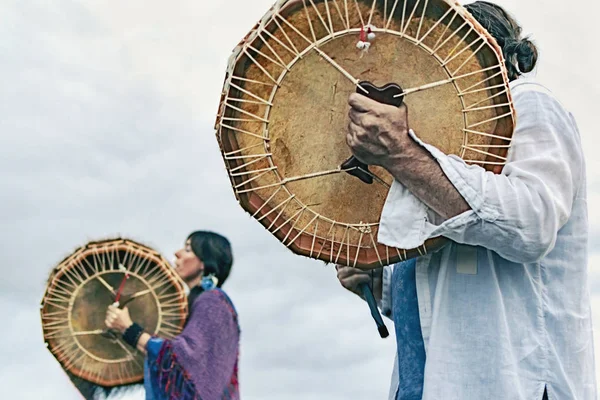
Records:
x=517, y=213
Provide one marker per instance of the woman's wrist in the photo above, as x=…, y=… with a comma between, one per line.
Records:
x=143, y=342
x=126, y=326
x=132, y=334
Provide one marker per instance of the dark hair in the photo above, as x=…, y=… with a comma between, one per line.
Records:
x=214, y=251
x=520, y=54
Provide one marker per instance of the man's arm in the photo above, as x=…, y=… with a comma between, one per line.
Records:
x=517, y=213
x=378, y=135
x=421, y=174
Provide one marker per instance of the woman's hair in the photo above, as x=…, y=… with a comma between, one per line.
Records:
x=214, y=251
x=520, y=54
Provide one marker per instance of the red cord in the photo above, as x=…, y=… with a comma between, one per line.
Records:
x=121, y=286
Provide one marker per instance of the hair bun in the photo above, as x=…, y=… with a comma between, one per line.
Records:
x=521, y=55
x=526, y=55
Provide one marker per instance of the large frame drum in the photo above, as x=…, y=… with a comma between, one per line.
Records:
x=283, y=113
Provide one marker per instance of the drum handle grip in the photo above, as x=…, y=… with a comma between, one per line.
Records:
x=390, y=94
x=368, y=295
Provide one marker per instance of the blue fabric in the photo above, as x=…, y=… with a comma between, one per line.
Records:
x=411, y=349
x=151, y=370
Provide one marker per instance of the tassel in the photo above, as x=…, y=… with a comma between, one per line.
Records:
x=365, y=38
x=362, y=41
x=370, y=34
x=168, y=384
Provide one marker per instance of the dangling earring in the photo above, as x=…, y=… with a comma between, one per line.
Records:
x=209, y=282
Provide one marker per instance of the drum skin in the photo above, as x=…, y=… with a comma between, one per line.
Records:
x=284, y=114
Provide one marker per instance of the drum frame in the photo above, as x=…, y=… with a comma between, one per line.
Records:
x=295, y=237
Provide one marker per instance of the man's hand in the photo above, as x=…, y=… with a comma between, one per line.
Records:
x=378, y=135
x=351, y=278
x=118, y=319
x=377, y=132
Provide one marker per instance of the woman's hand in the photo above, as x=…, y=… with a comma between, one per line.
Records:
x=118, y=319
x=350, y=278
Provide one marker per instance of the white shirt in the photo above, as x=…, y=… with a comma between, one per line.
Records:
x=505, y=308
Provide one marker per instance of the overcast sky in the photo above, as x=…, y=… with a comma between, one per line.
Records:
x=106, y=128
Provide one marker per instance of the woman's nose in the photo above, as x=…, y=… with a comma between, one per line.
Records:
x=178, y=253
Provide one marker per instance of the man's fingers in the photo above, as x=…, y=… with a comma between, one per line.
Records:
x=352, y=282
x=344, y=271
x=350, y=141
x=350, y=277
x=365, y=121
x=355, y=116
x=404, y=110
x=361, y=103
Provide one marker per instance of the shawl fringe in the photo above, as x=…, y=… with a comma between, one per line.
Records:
x=172, y=377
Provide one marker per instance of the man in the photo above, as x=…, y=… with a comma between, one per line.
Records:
x=503, y=311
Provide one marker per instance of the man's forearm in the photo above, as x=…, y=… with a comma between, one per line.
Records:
x=421, y=174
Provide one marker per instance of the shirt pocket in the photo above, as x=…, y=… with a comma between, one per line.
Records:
x=466, y=259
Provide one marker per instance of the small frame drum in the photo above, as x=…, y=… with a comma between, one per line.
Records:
x=78, y=293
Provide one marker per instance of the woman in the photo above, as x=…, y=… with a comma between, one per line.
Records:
x=202, y=362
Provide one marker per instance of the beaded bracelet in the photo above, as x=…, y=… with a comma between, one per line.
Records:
x=132, y=334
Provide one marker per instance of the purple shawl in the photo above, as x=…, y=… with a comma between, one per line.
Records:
x=201, y=362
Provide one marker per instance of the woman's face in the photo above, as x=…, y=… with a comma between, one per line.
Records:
x=187, y=265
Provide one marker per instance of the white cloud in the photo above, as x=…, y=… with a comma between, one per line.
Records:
x=106, y=116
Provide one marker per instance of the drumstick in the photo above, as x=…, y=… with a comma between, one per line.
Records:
x=121, y=286
x=109, y=333
x=368, y=295
x=387, y=94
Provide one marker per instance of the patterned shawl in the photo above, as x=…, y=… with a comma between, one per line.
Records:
x=201, y=363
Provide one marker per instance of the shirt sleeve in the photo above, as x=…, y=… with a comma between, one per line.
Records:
x=517, y=213
x=153, y=347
